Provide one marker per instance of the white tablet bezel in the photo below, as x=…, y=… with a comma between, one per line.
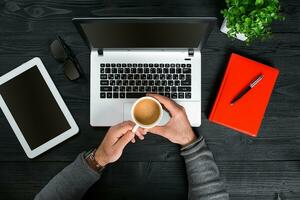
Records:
x=31, y=153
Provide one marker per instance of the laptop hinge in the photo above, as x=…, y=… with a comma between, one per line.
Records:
x=191, y=52
x=100, y=52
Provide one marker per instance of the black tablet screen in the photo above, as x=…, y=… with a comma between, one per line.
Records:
x=33, y=107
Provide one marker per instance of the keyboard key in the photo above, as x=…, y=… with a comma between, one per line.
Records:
x=134, y=65
x=123, y=65
x=178, y=70
x=180, y=95
x=167, y=89
x=161, y=89
x=113, y=65
x=148, y=89
x=177, y=65
x=188, y=95
x=118, y=65
x=102, y=70
x=102, y=65
x=159, y=70
x=119, y=82
x=140, y=70
x=172, y=70
x=150, y=65
x=162, y=76
x=104, y=82
x=157, y=83
x=138, y=82
x=116, y=89
x=143, y=76
x=106, y=88
x=169, y=76
x=188, y=77
x=172, y=65
x=153, y=70
x=115, y=95
x=175, y=76
x=167, y=65
x=174, y=95
x=125, y=82
x=174, y=89
x=102, y=95
x=114, y=70
x=146, y=70
x=132, y=82
x=122, y=89
x=112, y=82
x=135, y=95
x=144, y=83
x=189, y=65
x=127, y=70
x=154, y=89
x=136, y=77
x=120, y=70
x=170, y=83
x=184, y=89
x=181, y=76
x=129, y=65
x=155, y=76
x=141, y=89
x=145, y=65
x=124, y=76
x=163, y=83
x=177, y=83
x=187, y=82
x=117, y=76
x=130, y=76
x=151, y=82
x=135, y=89
x=107, y=70
x=110, y=76
x=140, y=65
x=149, y=76
x=133, y=70
x=107, y=65
x=166, y=70
x=156, y=65
x=122, y=95
x=109, y=95
x=183, y=65
x=167, y=95
x=128, y=89
x=186, y=70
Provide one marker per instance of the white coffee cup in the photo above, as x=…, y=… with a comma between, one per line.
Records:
x=145, y=126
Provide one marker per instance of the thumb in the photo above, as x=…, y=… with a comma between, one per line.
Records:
x=124, y=140
x=158, y=130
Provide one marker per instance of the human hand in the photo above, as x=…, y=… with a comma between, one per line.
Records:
x=114, y=142
x=178, y=130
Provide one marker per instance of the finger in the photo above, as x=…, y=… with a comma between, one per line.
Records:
x=133, y=140
x=169, y=104
x=158, y=130
x=123, y=127
x=124, y=140
x=139, y=134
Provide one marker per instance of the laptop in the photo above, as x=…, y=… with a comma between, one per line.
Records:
x=131, y=57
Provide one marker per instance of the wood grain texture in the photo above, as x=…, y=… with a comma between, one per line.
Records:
x=254, y=168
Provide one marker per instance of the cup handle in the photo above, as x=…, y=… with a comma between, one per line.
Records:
x=135, y=128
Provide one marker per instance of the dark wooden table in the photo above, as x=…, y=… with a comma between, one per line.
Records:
x=254, y=168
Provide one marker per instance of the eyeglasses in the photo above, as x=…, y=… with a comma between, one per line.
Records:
x=62, y=53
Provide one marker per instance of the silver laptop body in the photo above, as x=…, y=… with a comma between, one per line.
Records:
x=134, y=56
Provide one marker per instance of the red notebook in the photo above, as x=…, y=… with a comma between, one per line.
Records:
x=247, y=113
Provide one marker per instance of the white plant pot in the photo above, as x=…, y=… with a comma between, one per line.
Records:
x=224, y=29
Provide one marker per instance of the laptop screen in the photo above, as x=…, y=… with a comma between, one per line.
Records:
x=171, y=33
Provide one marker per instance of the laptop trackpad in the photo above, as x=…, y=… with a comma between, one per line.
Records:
x=127, y=114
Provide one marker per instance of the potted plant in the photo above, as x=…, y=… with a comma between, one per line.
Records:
x=250, y=19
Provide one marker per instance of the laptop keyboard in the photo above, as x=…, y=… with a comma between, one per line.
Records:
x=133, y=80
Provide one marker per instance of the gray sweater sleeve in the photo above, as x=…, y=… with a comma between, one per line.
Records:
x=71, y=183
x=202, y=173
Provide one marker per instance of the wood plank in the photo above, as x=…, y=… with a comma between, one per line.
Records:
x=158, y=180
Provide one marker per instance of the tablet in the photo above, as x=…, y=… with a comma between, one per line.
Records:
x=34, y=108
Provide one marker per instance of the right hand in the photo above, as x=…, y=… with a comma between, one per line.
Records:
x=178, y=130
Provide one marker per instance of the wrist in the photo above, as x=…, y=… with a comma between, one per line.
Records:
x=100, y=159
x=189, y=138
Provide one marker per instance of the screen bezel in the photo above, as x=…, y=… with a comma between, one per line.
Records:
x=31, y=153
x=210, y=20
